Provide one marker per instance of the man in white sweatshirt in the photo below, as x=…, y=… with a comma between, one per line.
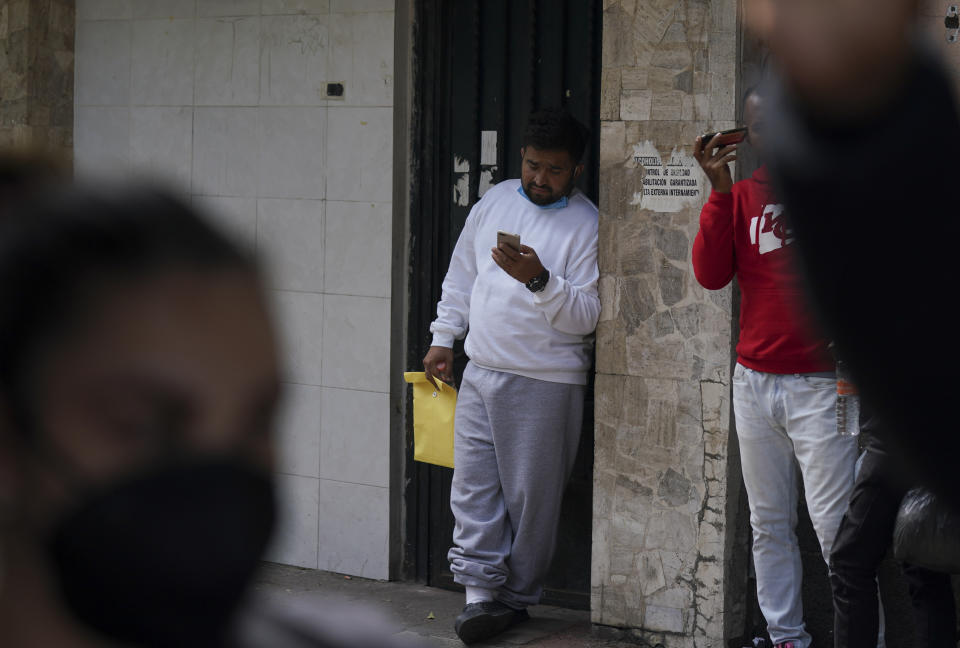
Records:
x=530, y=314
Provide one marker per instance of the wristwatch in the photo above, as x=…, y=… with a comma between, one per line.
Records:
x=539, y=282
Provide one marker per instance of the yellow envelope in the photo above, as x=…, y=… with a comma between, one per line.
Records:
x=433, y=411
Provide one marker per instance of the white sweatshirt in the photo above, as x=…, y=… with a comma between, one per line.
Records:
x=545, y=335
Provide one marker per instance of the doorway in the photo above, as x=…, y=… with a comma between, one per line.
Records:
x=480, y=67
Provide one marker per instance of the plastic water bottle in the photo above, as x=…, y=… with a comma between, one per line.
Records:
x=848, y=403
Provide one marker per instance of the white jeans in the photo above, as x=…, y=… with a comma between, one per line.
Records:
x=784, y=421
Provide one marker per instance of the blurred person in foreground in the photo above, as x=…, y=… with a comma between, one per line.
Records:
x=864, y=151
x=865, y=155
x=138, y=384
x=784, y=382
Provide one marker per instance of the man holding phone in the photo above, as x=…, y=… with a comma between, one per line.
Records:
x=784, y=382
x=531, y=311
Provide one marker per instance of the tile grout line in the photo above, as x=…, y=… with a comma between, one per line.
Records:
x=323, y=251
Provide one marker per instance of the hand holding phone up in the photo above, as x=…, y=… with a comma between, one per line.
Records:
x=714, y=155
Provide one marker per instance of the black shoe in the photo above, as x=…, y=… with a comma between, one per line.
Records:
x=486, y=619
x=519, y=616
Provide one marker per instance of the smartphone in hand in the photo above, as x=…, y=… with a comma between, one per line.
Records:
x=513, y=240
x=725, y=137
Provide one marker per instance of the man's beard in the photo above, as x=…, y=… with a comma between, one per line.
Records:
x=546, y=199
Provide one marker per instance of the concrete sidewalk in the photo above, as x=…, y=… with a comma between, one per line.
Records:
x=427, y=613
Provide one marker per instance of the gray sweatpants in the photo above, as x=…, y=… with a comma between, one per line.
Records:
x=515, y=440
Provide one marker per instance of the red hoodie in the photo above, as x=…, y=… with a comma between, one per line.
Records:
x=744, y=234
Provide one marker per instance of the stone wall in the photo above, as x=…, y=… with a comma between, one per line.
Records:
x=663, y=490
x=36, y=75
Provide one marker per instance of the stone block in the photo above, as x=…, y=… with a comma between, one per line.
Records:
x=667, y=106
x=611, y=347
x=683, y=81
x=675, y=489
x=613, y=143
x=672, y=565
x=688, y=319
x=675, y=244
x=663, y=324
x=710, y=543
x=675, y=597
x=608, y=298
x=649, y=572
x=680, y=641
x=673, y=283
x=672, y=530
x=635, y=105
x=676, y=33
x=604, y=485
x=636, y=395
x=723, y=100
x=624, y=543
x=676, y=57
x=710, y=579
x=637, y=302
x=618, y=38
x=18, y=15
x=661, y=79
x=665, y=619
x=661, y=424
x=687, y=108
x=698, y=20
x=635, y=251
x=716, y=405
x=605, y=445
x=609, y=402
x=635, y=78
x=652, y=19
x=609, y=95
x=620, y=186
x=723, y=17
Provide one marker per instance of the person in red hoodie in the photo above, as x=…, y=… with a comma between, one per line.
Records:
x=784, y=382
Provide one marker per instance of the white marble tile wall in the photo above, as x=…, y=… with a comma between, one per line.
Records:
x=225, y=101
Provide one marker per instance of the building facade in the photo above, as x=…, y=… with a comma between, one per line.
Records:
x=294, y=123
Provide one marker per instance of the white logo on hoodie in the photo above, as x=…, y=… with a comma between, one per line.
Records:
x=770, y=231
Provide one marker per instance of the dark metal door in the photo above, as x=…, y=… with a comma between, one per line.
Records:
x=481, y=66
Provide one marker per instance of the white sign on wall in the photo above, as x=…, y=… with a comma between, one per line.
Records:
x=667, y=186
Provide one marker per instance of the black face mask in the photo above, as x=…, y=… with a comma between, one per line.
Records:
x=164, y=559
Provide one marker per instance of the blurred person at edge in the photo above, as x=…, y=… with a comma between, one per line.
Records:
x=784, y=382
x=864, y=150
x=865, y=113
x=138, y=385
